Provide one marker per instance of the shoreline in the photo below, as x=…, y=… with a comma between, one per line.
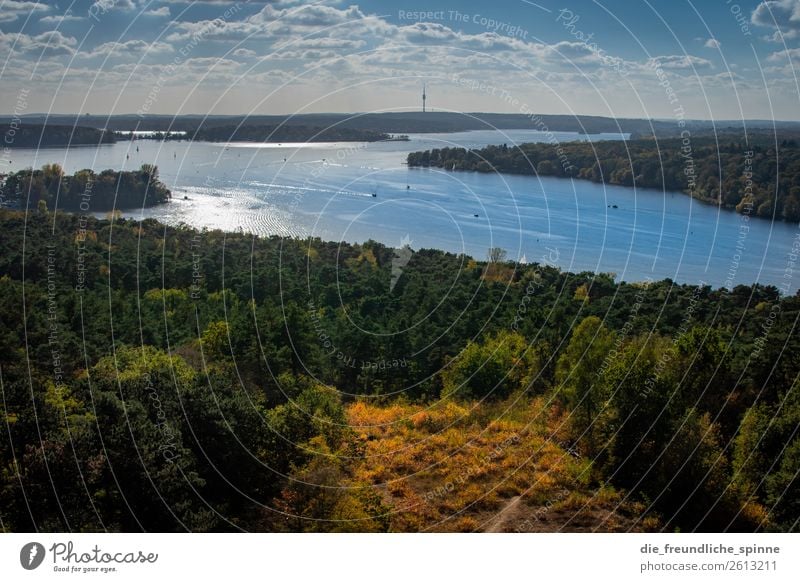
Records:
x=517, y=265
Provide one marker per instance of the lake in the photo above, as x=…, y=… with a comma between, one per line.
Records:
x=359, y=191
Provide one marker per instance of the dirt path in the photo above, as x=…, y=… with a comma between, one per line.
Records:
x=507, y=514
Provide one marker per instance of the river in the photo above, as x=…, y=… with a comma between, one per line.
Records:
x=359, y=191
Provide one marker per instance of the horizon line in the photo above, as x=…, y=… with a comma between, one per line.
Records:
x=360, y=113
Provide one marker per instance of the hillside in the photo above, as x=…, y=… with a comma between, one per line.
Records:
x=176, y=379
x=476, y=467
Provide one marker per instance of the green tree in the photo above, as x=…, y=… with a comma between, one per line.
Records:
x=501, y=364
x=317, y=412
x=767, y=458
x=581, y=383
x=138, y=395
x=321, y=497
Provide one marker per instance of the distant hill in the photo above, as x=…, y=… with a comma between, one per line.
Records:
x=410, y=122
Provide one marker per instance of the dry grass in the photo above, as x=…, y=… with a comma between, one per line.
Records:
x=465, y=467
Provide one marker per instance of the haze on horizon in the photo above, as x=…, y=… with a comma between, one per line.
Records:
x=723, y=60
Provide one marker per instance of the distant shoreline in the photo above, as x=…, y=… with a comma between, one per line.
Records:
x=405, y=122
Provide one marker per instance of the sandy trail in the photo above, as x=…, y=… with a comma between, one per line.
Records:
x=507, y=514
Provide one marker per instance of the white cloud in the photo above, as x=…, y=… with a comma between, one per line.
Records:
x=103, y=6
x=336, y=46
x=785, y=55
x=10, y=10
x=328, y=43
x=314, y=15
x=783, y=15
x=163, y=11
x=57, y=19
x=218, y=30
x=51, y=43
x=130, y=48
x=244, y=53
x=682, y=62
x=253, y=2
x=779, y=37
x=304, y=54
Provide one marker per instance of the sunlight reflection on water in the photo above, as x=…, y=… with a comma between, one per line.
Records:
x=354, y=192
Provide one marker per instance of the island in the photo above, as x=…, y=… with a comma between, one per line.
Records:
x=85, y=190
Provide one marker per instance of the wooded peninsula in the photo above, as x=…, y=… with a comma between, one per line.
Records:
x=761, y=178
x=18, y=134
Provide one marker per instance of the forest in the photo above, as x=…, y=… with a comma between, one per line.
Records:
x=19, y=134
x=84, y=190
x=162, y=378
x=734, y=173
x=287, y=133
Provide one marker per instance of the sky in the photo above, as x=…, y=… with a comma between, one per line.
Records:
x=702, y=59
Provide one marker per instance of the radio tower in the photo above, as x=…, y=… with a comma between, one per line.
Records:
x=423, y=98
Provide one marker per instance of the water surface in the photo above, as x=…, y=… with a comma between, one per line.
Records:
x=359, y=191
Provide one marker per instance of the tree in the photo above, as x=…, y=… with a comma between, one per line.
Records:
x=320, y=497
x=704, y=377
x=545, y=168
x=317, y=412
x=497, y=255
x=138, y=397
x=767, y=457
x=492, y=369
x=150, y=171
x=641, y=394
x=214, y=340
x=668, y=454
x=581, y=384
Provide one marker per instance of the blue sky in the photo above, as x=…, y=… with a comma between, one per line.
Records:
x=721, y=59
